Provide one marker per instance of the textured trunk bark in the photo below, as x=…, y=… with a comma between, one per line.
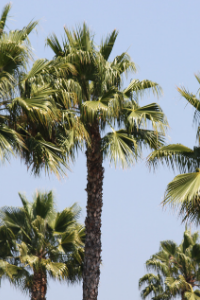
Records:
x=39, y=287
x=182, y=295
x=91, y=271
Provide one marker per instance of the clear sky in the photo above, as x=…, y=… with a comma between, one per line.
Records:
x=162, y=38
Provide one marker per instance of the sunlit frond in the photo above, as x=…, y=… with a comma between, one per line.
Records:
x=189, y=97
x=120, y=147
x=141, y=87
x=193, y=295
x=152, y=112
x=8, y=270
x=184, y=187
x=174, y=155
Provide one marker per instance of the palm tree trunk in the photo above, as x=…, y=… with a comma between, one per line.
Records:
x=182, y=295
x=92, y=260
x=39, y=288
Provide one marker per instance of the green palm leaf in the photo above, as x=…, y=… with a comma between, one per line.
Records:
x=152, y=112
x=107, y=45
x=120, y=147
x=10, y=140
x=54, y=44
x=43, y=154
x=141, y=87
x=183, y=187
x=174, y=155
x=148, y=138
x=193, y=295
x=4, y=17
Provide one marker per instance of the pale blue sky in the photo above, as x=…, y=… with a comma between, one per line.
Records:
x=162, y=37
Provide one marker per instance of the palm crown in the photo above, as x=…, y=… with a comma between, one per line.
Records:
x=102, y=100
x=176, y=268
x=27, y=102
x=46, y=243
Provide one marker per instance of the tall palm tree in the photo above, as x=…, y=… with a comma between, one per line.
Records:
x=183, y=190
x=176, y=268
x=103, y=104
x=48, y=244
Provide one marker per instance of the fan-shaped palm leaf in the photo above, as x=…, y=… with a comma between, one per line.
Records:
x=174, y=155
x=184, y=187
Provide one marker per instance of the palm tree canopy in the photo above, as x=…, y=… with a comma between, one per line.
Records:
x=45, y=239
x=103, y=100
x=29, y=116
x=176, y=268
x=15, y=50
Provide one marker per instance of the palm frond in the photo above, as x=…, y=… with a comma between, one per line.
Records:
x=42, y=154
x=4, y=17
x=152, y=112
x=140, y=87
x=8, y=270
x=193, y=295
x=184, y=187
x=10, y=141
x=148, y=138
x=66, y=219
x=189, y=97
x=174, y=155
x=107, y=45
x=53, y=43
x=120, y=147
x=123, y=64
x=158, y=266
x=56, y=269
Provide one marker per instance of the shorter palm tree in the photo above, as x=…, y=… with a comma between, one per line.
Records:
x=48, y=244
x=176, y=268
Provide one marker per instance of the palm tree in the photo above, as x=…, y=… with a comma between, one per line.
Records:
x=47, y=243
x=183, y=190
x=103, y=104
x=27, y=102
x=14, y=53
x=177, y=269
